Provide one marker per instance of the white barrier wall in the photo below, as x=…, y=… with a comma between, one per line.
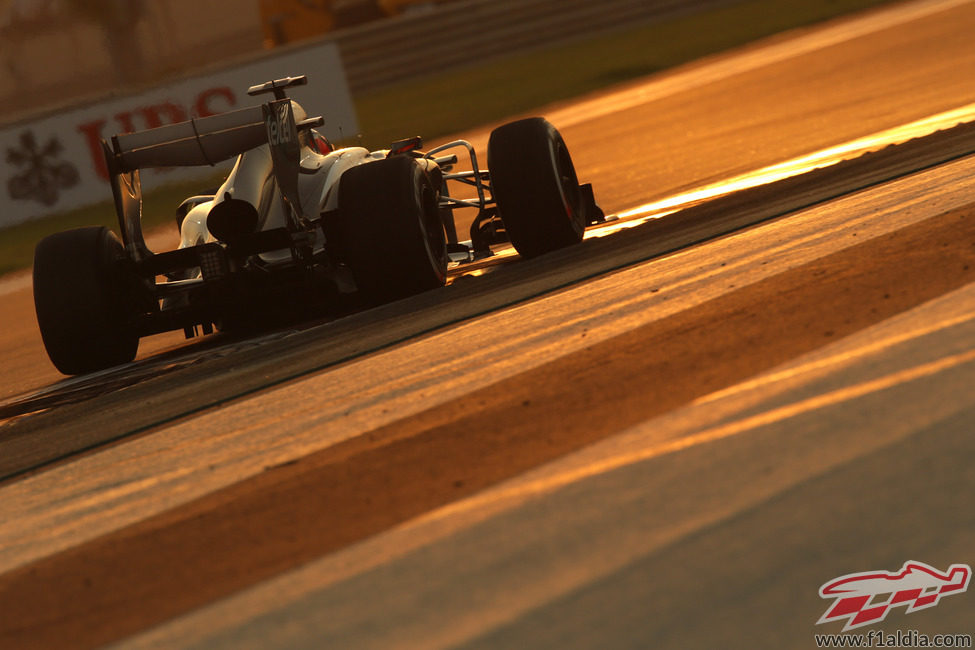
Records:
x=55, y=163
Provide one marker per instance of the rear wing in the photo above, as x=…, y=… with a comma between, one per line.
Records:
x=204, y=141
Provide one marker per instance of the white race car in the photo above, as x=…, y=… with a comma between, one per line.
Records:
x=296, y=222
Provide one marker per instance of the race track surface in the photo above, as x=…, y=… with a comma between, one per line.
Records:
x=673, y=446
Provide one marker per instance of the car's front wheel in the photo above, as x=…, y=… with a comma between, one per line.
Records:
x=391, y=235
x=535, y=188
x=83, y=300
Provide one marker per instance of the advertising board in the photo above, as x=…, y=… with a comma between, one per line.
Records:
x=55, y=163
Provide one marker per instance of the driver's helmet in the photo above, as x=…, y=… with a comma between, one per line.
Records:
x=310, y=138
x=319, y=143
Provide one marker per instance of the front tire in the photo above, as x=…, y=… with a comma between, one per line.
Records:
x=83, y=302
x=535, y=187
x=391, y=235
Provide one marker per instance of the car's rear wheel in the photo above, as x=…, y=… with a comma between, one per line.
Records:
x=391, y=235
x=83, y=300
x=535, y=187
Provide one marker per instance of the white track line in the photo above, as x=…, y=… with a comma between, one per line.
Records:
x=14, y=282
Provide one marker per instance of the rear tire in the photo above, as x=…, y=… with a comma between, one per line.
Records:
x=535, y=187
x=391, y=235
x=83, y=302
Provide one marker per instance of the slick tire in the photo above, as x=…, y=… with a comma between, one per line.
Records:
x=83, y=301
x=392, y=238
x=535, y=187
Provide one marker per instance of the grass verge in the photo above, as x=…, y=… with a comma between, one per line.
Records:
x=463, y=98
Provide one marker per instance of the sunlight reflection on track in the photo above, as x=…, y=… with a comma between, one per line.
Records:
x=824, y=158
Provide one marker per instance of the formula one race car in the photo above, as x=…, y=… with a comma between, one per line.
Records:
x=296, y=222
